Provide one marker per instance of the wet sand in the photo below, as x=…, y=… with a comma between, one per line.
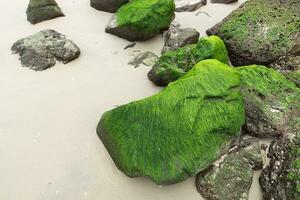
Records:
x=49, y=149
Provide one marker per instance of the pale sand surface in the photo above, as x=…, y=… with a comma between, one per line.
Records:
x=49, y=149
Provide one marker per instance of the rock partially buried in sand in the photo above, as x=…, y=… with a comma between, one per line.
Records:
x=224, y=1
x=41, y=10
x=177, y=37
x=260, y=31
x=141, y=20
x=181, y=130
x=146, y=58
x=108, y=5
x=174, y=64
x=270, y=100
x=189, y=5
x=41, y=50
x=231, y=177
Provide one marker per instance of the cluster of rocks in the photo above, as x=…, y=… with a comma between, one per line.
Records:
x=208, y=119
x=147, y=132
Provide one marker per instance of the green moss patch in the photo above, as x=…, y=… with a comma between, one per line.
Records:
x=270, y=99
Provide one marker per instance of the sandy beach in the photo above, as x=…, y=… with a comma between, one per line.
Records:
x=49, y=149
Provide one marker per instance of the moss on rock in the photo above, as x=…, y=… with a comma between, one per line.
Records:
x=174, y=64
x=141, y=20
x=181, y=130
x=270, y=100
x=260, y=31
x=41, y=10
x=231, y=177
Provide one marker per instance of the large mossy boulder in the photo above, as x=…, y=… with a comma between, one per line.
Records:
x=270, y=100
x=260, y=31
x=142, y=20
x=179, y=131
x=108, y=5
x=41, y=10
x=174, y=64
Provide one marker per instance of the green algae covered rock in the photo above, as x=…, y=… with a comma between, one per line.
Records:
x=179, y=131
x=270, y=100
x=41, y=10
x=231, y=177
x=260, y=31
x=174, y=64
x=141, y=20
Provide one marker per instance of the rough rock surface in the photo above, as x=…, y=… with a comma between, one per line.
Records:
x=270, y=100
x=280, y=180
x=289, y=65
x=260, y=31
x=231, y=177
x=142, y=20
x=179, y=131
x=224, y=1
x=41, y=10
x=146, y=58
x=189, y=5
x=108, y=5
x=174, y=64
x=41, y=50
x=177, y=37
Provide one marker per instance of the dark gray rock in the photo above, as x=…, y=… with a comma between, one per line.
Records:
x=41, y=50
x=189, y=5
x=108, y=5
x=260, y=31
x=41, y=10
x=231, y=177
x=224, y=1
x=280, y=180
x=177, y=37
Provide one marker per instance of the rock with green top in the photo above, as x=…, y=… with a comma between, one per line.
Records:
x=108, y=5
x=260, y=31
x=141, y=20
x=41, y=10
x=270, y=100
x=174, y=64
x=181, y=130
x=231, y=177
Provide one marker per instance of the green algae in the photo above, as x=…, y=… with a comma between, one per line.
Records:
x=261, y=31
x=179, y=131
x=151, y=16
x=174, y=64
x=294, y=76
x=270, y=99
